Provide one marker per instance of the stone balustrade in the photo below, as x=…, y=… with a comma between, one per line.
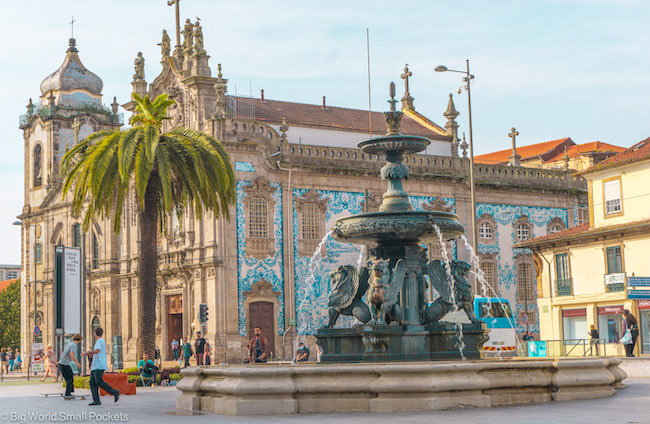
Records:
x=302, y=155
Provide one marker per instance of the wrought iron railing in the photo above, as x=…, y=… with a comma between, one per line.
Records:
x=564, y=287
x=567, y=347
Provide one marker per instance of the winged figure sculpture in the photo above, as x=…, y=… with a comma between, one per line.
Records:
x=350, y=286
x=453, y=288
x=386, y=285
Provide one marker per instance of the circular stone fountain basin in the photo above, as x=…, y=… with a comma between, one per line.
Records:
x=396, y=227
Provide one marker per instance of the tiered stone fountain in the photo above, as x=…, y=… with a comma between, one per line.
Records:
x=403, y=326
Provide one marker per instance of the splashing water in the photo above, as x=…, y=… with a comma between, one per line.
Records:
x=314, y=264
x=486, y=288
x=445, y=258
x=362, y=257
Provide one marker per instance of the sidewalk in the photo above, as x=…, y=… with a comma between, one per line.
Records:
x=157, y=405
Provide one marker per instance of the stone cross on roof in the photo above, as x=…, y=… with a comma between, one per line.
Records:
x=72, y=27
x=407, y=100
x=514, y=159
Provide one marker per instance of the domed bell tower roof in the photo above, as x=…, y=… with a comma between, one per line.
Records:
x=72, y=75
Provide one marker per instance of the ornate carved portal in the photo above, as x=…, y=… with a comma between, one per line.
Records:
x=262, y=309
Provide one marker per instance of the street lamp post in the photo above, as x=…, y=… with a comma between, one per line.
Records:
x=19, y=223
x=472, y=187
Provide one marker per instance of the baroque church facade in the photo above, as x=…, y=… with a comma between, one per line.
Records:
x=298, y=170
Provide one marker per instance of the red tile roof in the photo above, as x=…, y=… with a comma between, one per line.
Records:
x=580, y=231
x=526, y=152
x=5, y=284
x=274, y=111
x=578, y=149
x=640, y=151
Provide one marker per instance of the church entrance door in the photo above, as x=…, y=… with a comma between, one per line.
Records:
x=174, y=321
x=261, y=315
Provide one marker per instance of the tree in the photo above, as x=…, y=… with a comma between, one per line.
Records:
x=169, y=172
x=10, y=316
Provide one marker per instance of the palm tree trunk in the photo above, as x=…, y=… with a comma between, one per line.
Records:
x=147, y=270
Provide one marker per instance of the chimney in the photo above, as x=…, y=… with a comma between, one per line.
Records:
x=262, y=95
x=324, y=106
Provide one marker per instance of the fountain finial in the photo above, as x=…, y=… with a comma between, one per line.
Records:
x=394, y=117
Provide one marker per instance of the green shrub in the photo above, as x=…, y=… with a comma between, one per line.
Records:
x=176, y=376
x=130, y=370
x=80, y=382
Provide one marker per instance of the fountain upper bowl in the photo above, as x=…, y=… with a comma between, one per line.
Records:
x=376, y=228
x=398, y=143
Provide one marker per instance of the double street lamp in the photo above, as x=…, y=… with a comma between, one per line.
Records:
x=467, y=79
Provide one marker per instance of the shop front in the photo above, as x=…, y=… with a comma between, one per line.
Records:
x=574, y=323
x=609, y=323
x=644, y=323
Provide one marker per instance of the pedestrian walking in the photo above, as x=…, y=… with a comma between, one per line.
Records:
x=593, y=333
x=259, y=347
x=97, y=369
x=630, y=323
x=158, y=357
x=175, y=349
x=10, y=360
x=199, y=348
x=187, y=351
x=3, y=360
x=70, y=354
x=208, y=354
x=18, y=365
x=50, y=364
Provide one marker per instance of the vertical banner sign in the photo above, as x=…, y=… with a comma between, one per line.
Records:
x=37, y=357
x=117, y=353
x=72, y=290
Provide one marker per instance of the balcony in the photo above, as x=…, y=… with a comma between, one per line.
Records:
x=564, y=287
x=614, y=282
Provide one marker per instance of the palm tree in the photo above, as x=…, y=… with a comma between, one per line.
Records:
x=180, y=169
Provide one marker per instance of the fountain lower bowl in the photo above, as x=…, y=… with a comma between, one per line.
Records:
x=375, y=228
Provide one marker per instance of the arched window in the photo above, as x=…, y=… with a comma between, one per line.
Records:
x=38, y=165
x=555, y=225
x=522, y=232
x=555, y=228
x=485, y=231
x=95, y=324
x=95, y=263
x=258, y=218
x=76, y=235
x=311, y=224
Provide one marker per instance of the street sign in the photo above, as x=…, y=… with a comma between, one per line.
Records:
x=618, y=278
x=537, y=349
x=638, y=294
x=37, y=330
x=638, y=281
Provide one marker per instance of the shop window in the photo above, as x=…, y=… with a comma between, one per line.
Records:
x=574, y=324
x=609, y=324
x=612, y=195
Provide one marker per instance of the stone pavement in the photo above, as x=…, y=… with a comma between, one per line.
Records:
x=157, y=405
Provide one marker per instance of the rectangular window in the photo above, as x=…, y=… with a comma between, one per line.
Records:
x=583, y=216
x=95, y=263
x=311, y=222
x=76, y=235
x=614, y=260
x=38, y=253
x=612, y=194
x=258, y=218
x=489, y=269
x=525, y=289
x=562, y=271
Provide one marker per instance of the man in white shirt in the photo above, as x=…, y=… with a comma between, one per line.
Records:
x=98, y=367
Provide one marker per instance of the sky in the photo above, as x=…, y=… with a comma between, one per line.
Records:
x=550, y=68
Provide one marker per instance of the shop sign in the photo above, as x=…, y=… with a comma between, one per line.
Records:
x=537, y=349
x=566, y=313
x=638, y=294
x=638, y=281
x=610, y=310
x=643, y=304
x=615, y=278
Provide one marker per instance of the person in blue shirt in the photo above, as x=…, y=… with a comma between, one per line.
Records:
x=97, y=369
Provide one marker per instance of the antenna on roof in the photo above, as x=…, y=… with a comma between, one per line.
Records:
x=369, y=103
